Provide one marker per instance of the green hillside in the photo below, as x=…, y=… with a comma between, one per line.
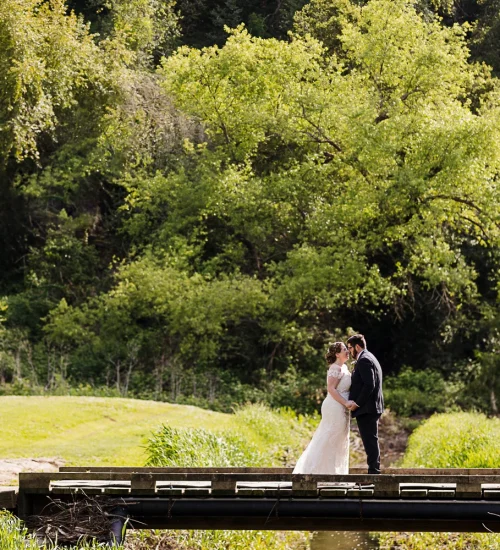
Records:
x=92, y=430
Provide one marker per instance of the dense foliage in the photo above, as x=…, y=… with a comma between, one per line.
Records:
x=196, y=225
x=419, y=392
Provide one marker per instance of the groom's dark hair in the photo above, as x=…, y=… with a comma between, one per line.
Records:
x=357, y=339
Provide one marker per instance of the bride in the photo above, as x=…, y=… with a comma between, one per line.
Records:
x=328, y=451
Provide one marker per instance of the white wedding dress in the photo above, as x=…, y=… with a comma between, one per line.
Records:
x=328, y=451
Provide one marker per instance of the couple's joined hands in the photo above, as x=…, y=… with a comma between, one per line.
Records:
x=351, y=405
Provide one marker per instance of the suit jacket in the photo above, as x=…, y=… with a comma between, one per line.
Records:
x=366, y=385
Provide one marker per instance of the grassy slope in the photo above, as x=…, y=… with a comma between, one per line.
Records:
x=92, y=430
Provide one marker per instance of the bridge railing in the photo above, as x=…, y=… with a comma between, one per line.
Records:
x=392, y=483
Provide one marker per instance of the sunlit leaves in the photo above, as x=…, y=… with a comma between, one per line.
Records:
x=46, y=58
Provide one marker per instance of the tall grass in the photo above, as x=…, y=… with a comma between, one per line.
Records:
x=200, y=448
x=261, y=437
x=12, y=535
x=454, y=440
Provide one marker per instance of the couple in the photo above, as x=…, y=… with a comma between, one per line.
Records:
x=361, y=394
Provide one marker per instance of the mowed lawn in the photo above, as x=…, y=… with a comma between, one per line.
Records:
x=90, y=431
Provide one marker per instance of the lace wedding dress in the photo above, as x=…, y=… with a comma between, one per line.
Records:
x=328, y=451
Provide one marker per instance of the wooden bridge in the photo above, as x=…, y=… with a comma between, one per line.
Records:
x=273, y=498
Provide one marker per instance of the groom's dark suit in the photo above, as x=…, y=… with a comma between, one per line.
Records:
x=366, y=391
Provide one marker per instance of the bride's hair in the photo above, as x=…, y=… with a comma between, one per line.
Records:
x=333, y=349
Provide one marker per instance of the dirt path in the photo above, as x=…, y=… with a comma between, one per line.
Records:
x=10, y=467
x=393, y=439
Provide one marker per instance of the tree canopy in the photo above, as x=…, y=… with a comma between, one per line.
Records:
x=200, y=227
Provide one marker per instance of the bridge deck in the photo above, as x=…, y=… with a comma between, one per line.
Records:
x=274, y=498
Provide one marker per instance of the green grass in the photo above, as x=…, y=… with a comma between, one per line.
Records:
x=95, y=431
x=439, y=541
x=113, y=431
x=217, y=540
x=454, y=440
x=13, y=536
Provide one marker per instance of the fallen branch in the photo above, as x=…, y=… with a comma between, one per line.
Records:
x=83, y=519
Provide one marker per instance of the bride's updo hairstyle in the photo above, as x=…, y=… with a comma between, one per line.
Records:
x=333, y=349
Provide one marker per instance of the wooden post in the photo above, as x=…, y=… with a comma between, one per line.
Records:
x=386, y=486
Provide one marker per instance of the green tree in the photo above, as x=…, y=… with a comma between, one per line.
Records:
x=353, y=181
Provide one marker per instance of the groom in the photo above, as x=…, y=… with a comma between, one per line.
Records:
x=366, y=392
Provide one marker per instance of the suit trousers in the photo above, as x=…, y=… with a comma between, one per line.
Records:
x=368, y=430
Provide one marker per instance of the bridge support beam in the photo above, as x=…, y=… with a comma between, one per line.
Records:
x=315, y=514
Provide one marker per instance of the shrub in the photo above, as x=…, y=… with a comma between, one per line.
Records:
x=416, y=392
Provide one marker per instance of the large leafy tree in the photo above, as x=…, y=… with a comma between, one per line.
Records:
x=351, y=180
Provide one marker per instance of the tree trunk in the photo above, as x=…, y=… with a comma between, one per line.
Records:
x=18, y=362
x=159, y=370
x=493, y=399
x=118, y=375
